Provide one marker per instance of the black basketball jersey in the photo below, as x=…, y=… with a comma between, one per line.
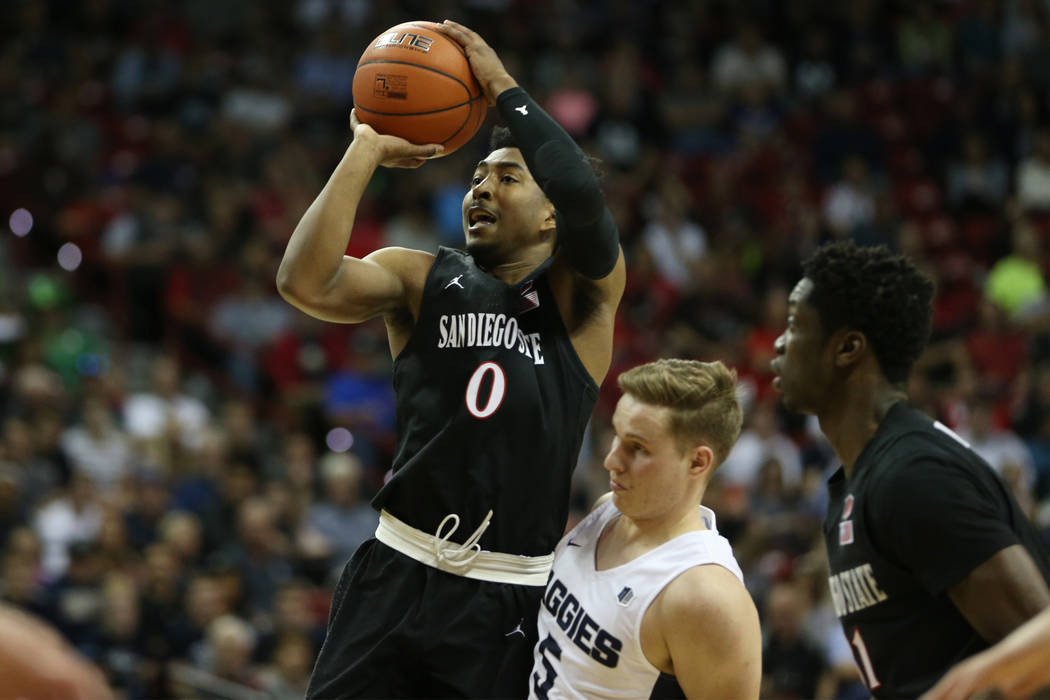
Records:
x=492, y=402
x=920, y=511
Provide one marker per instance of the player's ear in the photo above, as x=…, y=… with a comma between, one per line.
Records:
x=850, y=347
x=702, y=460
x=550, y=222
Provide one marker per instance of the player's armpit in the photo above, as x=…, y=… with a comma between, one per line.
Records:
x=711, y=629
x=1001, y=594
x=388, y=280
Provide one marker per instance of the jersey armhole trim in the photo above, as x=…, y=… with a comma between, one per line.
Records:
x=442, y=253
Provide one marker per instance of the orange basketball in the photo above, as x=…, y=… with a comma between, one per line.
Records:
x=415, y=83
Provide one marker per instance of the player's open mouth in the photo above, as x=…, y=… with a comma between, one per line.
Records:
x=476, y=216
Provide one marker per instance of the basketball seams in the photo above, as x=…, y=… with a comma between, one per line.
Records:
x=466, y=121
x=419, y=114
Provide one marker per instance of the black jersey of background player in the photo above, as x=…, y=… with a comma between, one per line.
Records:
x=492, y=402
x=920, y=511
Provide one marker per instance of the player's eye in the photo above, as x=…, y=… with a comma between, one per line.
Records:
x=509, y=178
x=476, y=180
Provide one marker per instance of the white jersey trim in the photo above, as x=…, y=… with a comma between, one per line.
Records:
x=432, y=550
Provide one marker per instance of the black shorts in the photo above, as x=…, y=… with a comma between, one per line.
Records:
x=402, y=629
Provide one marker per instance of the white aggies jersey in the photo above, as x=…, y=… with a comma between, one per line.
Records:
x=590, y=621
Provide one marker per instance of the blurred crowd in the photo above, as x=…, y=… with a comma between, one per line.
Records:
x=186, y=460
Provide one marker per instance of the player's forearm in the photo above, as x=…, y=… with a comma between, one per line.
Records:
x=586, y=230
x=314, y=253
x=1031, y=637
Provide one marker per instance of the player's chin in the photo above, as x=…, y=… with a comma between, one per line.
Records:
x=791, y=400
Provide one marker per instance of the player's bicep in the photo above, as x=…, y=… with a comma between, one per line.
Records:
x=712, y=633
x=364, y=288
x=1001, y=594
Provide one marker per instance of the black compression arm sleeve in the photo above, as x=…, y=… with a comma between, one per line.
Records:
x=587, y=232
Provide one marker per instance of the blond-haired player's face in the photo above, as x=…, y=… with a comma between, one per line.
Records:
x=648, y=474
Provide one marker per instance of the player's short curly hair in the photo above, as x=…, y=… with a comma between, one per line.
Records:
x=877, y=292
x=502, y=137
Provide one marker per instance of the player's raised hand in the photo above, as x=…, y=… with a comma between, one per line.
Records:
x=487, y=66
x=394, y=152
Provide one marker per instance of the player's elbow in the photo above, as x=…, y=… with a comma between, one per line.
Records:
x=286, y=285
x=292, y=289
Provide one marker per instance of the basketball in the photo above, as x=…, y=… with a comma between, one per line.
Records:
x=415, y=83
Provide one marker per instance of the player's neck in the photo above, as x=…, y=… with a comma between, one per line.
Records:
x=852, y=420
x=662, y=528
x=521, y=266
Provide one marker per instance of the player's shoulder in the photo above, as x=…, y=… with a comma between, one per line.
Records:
x=923, y=454
x=909, y=436
x=709, y=595
x=402, y=258
x=411, y=266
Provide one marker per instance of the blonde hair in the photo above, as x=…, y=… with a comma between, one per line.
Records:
x=702, y=398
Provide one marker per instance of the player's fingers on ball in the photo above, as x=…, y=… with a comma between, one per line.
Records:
x=467, y=33
x=354, y=121
x=451, y=32
x=417, y=151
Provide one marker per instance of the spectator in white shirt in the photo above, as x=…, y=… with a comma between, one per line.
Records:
x=73, y=517
x=1002, y=448
x=96, y=446
x=760, y=441
x=1033, y=175
x=675, y=243
x=163, y=411
x=850, y=203
x=749, y=60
